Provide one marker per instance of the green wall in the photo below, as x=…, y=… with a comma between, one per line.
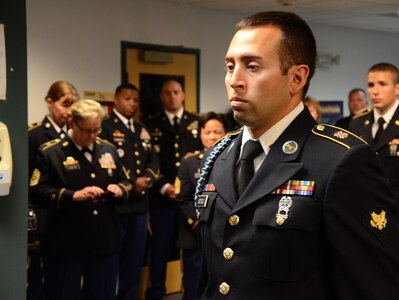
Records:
x=13, y=112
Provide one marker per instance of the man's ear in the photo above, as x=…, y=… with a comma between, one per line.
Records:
x=298, y=76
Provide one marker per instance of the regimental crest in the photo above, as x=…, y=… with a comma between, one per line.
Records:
x=378, y=221
x=341, y=135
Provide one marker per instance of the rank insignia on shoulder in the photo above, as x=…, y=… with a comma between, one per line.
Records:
x=177, y=186
x=209, y=187
x=336, y=135
x=34, y=125
x=378, y=221
x=34, y=180
x=296, y=187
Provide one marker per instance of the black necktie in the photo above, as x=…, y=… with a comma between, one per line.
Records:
x=176, y=123
x=380, y=130
x=246, y=164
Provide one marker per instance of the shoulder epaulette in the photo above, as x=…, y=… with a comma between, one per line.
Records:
x=152, y=117
x=34, y=125
x=232, y=134
x=192, y=113
x=102, y=141
x=195, y=153
x=140, y=123
x=338, y=135
x=50, y=144
x=366, y=112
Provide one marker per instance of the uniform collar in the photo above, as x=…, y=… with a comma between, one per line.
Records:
x=388, y=115
x=170, y=116
x=268, y=138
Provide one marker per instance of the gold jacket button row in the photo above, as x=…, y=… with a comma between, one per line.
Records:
x=95, y=212
x=92, y=175
x=224, y=288
x=228, y=253
x=234, y=220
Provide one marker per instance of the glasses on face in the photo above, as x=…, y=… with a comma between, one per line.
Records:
x=88, y=131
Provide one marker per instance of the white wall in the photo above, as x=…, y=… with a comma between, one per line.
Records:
x=79, y=41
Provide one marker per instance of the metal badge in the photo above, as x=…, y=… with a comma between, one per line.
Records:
x=290, y=147
x=121, y=152
x=378, y=221
x=283, y=208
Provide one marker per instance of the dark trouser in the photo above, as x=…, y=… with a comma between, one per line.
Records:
x=165, y=226
x=64, y=278
x=191, y=272
x=134, y=236
x=34, y=276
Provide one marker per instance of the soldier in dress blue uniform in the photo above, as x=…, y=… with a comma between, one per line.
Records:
x=357, y=104
x=288, y=208
x=59, y=99
x=134, y=146
x=175, y=133
x=79, y=179
x=383, y=90
x=212, y=127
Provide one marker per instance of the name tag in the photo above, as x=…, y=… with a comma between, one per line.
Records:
x=202, y=201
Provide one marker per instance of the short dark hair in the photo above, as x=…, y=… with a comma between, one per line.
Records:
x=172, y=78
x=356, y=90
x=213, y=116
x=125, y=86
x=297, y=45
x=384, y=66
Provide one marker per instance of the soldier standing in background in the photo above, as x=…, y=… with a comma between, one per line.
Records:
x=59, y=99
x=79, y=179
x=380, y=126
x=175, y=133
x=134, y=146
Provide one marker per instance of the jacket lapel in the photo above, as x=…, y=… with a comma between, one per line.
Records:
x=278, y=167
x=119, y=125
x=390, y=132
x=224, y=172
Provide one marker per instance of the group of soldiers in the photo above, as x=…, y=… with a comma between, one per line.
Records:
x=286, y=208
x=91, y=182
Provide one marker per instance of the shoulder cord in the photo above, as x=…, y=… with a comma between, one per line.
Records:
x=208, y=166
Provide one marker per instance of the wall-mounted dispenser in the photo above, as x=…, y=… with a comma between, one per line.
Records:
x=5, y=161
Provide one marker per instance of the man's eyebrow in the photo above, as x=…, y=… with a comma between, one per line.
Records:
x=242, y=58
